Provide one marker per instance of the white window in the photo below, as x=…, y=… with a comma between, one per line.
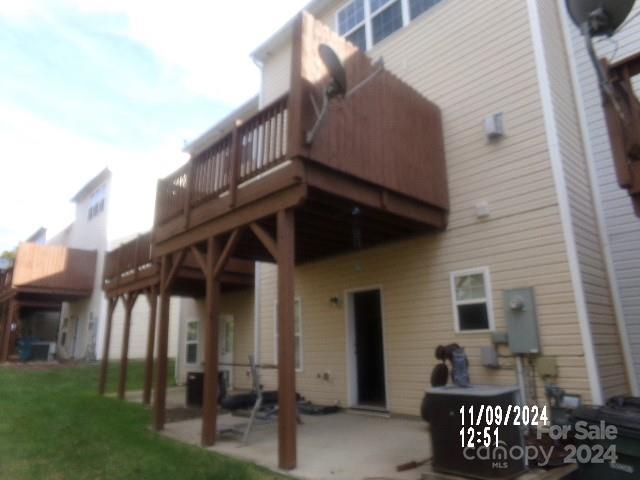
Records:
x=471, y=294
x=367, y=22
x=297, y=333
x=192, y=342
x=96, y=202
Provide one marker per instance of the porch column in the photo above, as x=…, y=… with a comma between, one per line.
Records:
x=129, y=302
x=210, y=397
x=287, y=414
x=104, y=367
x=152, y=296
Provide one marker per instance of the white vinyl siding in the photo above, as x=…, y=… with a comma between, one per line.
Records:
x=593, y=272
x=622, y=227
x=140, y=329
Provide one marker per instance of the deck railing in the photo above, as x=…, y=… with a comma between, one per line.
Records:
x=251, y=148
x=128, y=259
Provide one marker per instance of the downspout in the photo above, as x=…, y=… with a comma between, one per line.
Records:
x=256, y=313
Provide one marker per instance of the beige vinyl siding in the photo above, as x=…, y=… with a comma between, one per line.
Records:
x=621, y=224
x=470, y=71
x=240, y=306
x=593, y=271
x=140, y=329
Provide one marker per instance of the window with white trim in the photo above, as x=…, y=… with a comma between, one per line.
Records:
x=367, y=22
x=297, y=333
x=471, y=294
x=192, y=340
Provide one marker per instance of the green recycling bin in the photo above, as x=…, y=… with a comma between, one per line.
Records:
x=602, y=454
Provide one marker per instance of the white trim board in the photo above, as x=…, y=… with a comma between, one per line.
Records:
x=555, y=156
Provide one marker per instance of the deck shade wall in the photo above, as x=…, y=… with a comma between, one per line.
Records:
x=54, y=268
x=385, y=132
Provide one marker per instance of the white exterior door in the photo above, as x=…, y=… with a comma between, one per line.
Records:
x=225, y=347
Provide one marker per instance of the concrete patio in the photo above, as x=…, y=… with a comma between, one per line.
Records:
x=343, y=446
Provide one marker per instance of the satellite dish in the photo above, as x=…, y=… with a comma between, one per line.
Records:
x=338, y=86
x=602, y=16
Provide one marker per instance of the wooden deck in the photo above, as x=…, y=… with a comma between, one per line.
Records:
x=130, y=268
x=376, y=169
x=625, y=134
x=374, y=173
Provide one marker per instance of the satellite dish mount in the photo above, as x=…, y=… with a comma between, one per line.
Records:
x=597, y=18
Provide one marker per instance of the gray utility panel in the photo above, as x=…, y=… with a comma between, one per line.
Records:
x=522, y=321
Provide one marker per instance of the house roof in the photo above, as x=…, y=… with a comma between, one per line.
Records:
x=91, y=185
x=38, y=235
x=221, y=128
x=283, y=35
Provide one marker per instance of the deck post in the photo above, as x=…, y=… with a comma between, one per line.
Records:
x=210, y=394
x=287, y=412
x=6, y=332
x=152, y=296
x=104, y=367
x=129, y=302
x=12, y=314
x=160, y=393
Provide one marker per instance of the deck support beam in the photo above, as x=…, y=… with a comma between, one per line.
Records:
x=210, y=394
x=287, y=411
x=104, y=367
x=168, y=269
x=129, y=302
x=152, y=297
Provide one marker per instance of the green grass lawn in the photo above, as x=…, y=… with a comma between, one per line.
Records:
x=54, y=426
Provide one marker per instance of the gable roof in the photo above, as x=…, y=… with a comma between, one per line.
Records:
x=91, y=185
x=283, y=35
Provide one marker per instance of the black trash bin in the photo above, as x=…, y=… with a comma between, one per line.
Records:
x=624, y=414
x=195, y=385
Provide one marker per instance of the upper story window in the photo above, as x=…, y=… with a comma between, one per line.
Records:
x=367, y=22
x=96, y=202
x=471, y=292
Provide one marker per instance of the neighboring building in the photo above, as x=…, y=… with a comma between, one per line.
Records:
x=32, y=293
x=620, y=227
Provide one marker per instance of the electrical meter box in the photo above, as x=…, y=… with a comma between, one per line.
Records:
x=522, y=321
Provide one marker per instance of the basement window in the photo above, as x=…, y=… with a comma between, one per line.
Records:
x=297, y=333
x=192, y=342
x=471, y=294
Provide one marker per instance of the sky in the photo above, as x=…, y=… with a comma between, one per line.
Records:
x=89, y=84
